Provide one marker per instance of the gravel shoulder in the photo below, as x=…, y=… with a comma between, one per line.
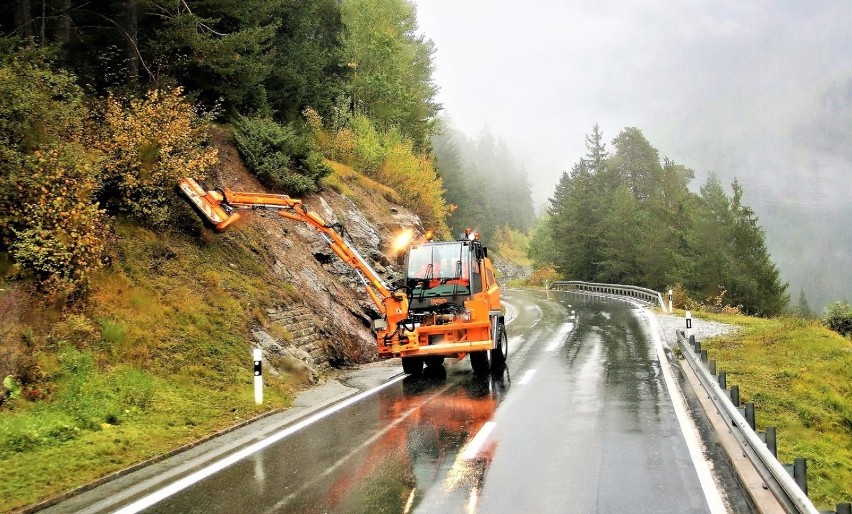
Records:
x=702, y=328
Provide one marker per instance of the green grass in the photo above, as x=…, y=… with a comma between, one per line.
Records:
x=157, y=357
x=797, y=373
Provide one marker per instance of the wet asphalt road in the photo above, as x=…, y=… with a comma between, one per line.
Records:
x=581, y=421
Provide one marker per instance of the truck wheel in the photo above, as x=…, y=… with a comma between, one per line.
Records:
x=412, y=365
x=480, y=362
x=433, y=361
x=501, y=350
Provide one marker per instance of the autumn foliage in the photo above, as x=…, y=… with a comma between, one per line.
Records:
x=52, y=225
x=64, y=167
x=391, y=159
x=148, y=145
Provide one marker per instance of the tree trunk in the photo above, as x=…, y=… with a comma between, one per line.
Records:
x=132, y=50
x=24, y=19
x=63, y=30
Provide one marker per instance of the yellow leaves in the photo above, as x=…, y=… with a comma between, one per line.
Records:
x=150, y=143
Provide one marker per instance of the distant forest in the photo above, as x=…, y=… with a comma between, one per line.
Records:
x=626, y=217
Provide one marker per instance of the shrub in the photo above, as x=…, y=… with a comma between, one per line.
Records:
x=50, y=222
x=149, y=144
x=280, y=156
x=838, y=317
x=413, y=176
x=369, y=151
x=540, y=276
x=682, y=300
x=389, y=158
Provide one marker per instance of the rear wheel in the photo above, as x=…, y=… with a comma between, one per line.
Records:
x=412, y=365
x=433, y=361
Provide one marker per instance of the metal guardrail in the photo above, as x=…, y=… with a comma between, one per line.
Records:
x=783, y=486
x=645, y=295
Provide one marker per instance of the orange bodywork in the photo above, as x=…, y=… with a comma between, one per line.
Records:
x=454, y=338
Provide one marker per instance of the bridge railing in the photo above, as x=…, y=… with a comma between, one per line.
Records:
x=642, y=294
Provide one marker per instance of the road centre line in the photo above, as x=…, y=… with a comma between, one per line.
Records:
x=189, y=480
x=559, y=340
x=476, y=443
x=527, y=377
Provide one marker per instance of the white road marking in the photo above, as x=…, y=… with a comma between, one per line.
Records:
x=410, y=502
x=559, y=340
x=527, y=377
x=690, y=433
x=175, y=487
x=476, y=444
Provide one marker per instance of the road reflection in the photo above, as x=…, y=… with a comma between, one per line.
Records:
x=430, y=450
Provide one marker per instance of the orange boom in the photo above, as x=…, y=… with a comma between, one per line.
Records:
x=448, y=306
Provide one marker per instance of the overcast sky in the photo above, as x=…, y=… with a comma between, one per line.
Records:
x=758, y=90
x=729, y=86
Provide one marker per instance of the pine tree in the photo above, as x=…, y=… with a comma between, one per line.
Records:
x=596, y=154
x=804, y=308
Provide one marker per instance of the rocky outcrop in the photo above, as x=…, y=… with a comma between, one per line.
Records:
x=326, y=320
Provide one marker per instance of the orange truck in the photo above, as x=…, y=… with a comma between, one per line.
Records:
x=448, y=304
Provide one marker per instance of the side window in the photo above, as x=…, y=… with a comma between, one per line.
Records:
x=475, y=276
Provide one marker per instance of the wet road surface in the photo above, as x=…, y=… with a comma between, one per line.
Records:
x=581, y=421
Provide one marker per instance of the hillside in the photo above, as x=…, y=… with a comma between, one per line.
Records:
x=158, y=355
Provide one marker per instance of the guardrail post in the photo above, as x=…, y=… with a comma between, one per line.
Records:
x=844, y=508
x=749, y=414
x=735, y=396
x=671, y=295
x=723, y=380
x=691, y=342
x=704, y=356
x=711, y=366
x=772, y=442
x=800, y=473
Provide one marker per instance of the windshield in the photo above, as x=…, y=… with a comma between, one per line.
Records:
x=439, y=270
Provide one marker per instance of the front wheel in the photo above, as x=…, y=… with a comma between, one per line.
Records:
x=412, y=365
x=480, y=362
x=501, y=349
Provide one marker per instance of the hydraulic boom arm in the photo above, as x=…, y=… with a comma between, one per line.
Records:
x=220, y=208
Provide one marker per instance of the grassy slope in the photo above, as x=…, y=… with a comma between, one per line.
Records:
x=797, y=373
x=157, y=358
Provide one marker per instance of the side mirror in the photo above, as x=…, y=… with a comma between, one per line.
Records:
x=485, y=251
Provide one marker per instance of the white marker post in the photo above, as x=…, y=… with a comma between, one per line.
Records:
x=688, y=324
x=258, y=376
x=671, y=295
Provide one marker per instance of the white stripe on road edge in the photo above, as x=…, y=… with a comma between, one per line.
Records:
x=203, y=473
x=690, y=433
x=476, y=444
x=527, y=377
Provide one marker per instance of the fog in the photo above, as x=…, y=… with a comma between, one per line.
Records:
x=760, y=91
